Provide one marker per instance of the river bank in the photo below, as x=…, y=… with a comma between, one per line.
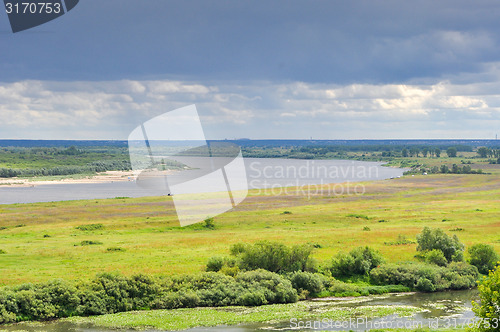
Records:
x=104, y=177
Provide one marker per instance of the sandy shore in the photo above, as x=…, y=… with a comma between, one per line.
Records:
x=105, y=177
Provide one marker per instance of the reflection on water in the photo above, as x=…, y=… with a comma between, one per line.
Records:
x=444, y=309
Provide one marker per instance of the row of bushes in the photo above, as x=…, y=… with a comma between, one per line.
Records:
x=426, y=277
x=100, y=166
x=111, y=293
x=435, y=247
x=442, y=266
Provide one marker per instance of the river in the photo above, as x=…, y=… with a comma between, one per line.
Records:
x=261, y=173
x=442, y=309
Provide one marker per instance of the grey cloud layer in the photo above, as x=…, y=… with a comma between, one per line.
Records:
x=322, y=41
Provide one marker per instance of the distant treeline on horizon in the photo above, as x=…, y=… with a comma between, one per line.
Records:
x=266, y=142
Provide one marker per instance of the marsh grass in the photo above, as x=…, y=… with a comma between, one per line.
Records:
x=180, y=319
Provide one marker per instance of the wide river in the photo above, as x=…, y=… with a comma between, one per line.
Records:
x=261, y=173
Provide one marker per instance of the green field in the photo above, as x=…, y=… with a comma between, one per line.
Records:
x=75, y=240
x=41, y=241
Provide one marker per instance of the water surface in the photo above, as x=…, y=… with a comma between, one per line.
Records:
x=261, y=173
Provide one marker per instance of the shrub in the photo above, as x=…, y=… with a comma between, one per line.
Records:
x=358, y=216
x=274, y=257
x=275, y=288
x=426, y=277
x=181, y=299
x=489, y=306
x=311, y=282
x=2, y=252
x=358, y=261
x=431, y=239
x=401, y=240
x=90, y=227
x=209, y=223
x=483, y=256
x=214, y=264
x=89, y=243
x=226, y=265
x=111, y=249
x=436, y=257
x=339, y=288
x=56, y=298
x=425, y=285
x=6, y=316
x=252, y=299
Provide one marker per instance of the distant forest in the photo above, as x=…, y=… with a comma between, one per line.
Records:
x=28, y=158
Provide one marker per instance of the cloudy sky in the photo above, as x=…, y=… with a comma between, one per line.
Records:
x=257, y=69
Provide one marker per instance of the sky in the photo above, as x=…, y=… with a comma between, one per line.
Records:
x=257, y=69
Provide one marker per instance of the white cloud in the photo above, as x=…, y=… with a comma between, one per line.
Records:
x=110, y=110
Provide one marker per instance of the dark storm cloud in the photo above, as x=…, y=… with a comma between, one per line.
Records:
x=313, y=41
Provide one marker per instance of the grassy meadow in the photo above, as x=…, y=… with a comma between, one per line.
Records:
x=43, y=241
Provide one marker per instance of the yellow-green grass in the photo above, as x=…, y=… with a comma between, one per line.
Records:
x=46, y=243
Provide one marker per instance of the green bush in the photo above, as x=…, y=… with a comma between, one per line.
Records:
x=274, y=257
x=214, y=264
x=275, y=288
x=90, y=227
x=425, y=285
x=489, y=306
x=311, y=282
x=436, y=257
x=484, y=257
x=426, y=277
x=181, y=299
x=119, y=293
x=252, y=299
x=89, y=243
x=112, y=249
x=339, y=288
x=54, y=299
x=226, y=265
x=358, y=261
x=437, y=239
x=209, y=223
x=217, y=289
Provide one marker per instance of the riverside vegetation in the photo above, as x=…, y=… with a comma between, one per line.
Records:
x=254, y=275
